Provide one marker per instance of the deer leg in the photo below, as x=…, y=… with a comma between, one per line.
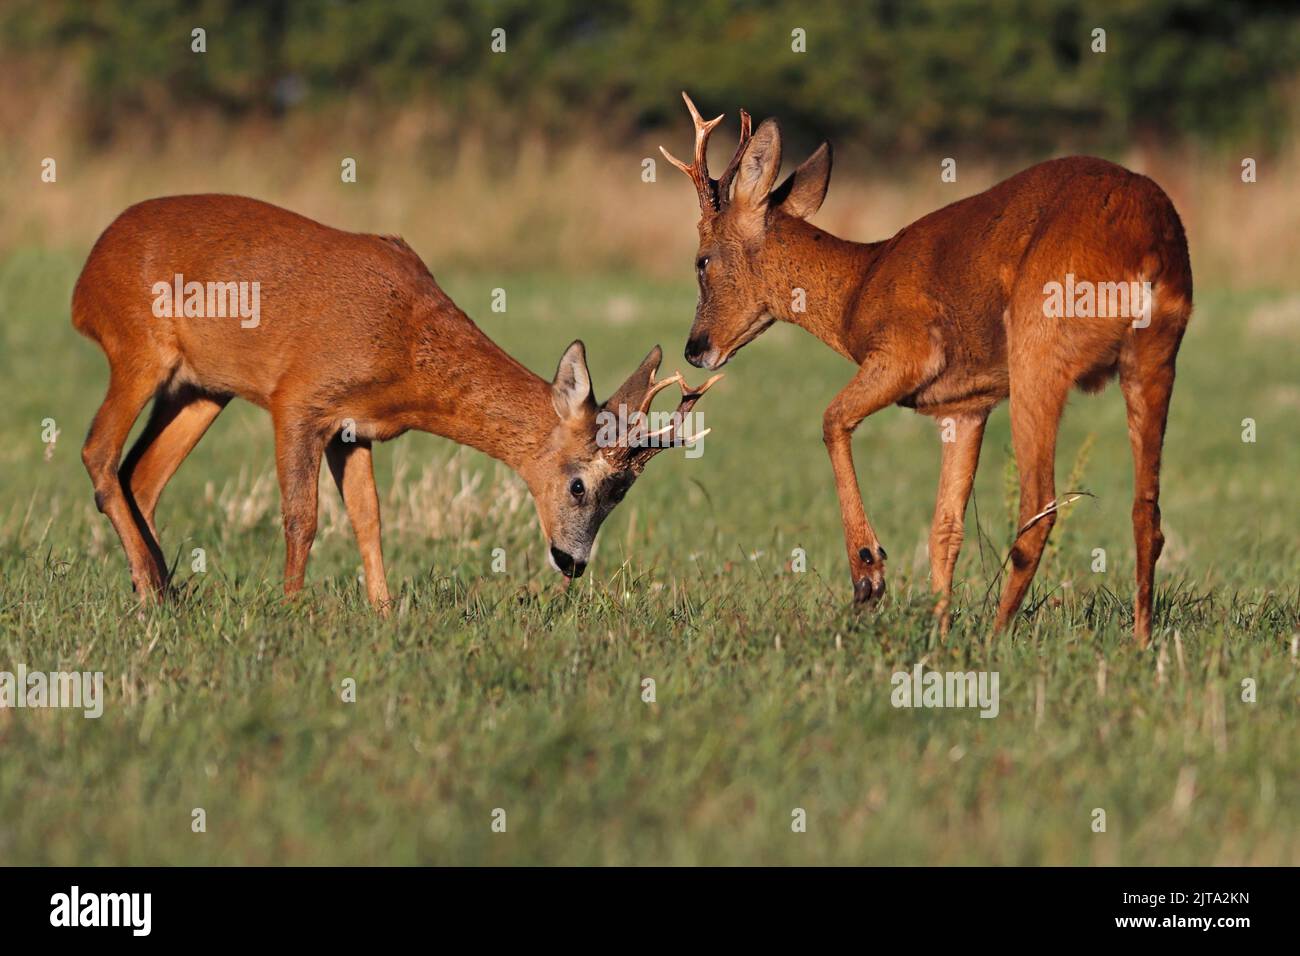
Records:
x=354, y=474
x=1147, y=392
x=101, y=453
x=881, y=381
x=175, y=425
x=956, y=475
x=1035, y=418
x=298, y=449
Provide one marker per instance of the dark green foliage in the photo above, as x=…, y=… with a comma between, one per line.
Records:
x=897, y=76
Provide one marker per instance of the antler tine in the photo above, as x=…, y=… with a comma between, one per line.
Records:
x=699, y=170
x=642, y=444
x=677, y=162
x=703, y=130
x=724, y=184
x=655, y=388
x=689, y=397
x=688, y=392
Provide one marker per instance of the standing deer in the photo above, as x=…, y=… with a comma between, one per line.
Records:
x=348, y=337
x=950, y=317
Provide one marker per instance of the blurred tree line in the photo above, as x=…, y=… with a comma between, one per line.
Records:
x=897, y=75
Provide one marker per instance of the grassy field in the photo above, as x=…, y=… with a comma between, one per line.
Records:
x=489, y=691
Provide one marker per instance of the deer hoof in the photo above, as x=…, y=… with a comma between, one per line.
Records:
x=870, y=586
x=868, y=591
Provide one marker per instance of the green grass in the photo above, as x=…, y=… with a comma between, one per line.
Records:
x=493, y=691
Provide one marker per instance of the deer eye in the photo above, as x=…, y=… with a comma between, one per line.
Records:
x=577, y=488
x=701, y=264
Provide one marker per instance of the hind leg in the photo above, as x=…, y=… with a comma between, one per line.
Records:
x=1147, y=388
x=298, y=450
x=1035, y=418
x=176, y=423
x=126, y=396
x=956, y=475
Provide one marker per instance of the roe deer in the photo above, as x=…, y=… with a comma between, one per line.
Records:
x=350, y=337
x=949, y=317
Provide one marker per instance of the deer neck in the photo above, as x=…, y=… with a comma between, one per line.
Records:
x=812, y=278
x=468, y=389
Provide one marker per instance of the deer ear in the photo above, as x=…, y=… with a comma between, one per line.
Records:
x=637, y=384
x=804, y=189
x=571, y=390
x=759, y=164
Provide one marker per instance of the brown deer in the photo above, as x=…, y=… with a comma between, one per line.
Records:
x=949, y=317
x=346, y=339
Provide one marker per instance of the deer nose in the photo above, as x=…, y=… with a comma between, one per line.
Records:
x=696, y=349
x=568, y=567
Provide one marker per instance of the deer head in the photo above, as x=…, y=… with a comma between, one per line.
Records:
x=596, y=452
x=734, y=265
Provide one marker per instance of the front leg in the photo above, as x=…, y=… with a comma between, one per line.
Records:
x=353, y=470
x=882, y=380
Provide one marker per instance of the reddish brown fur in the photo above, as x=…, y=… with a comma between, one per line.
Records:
x=353, y=327
x=947, y=317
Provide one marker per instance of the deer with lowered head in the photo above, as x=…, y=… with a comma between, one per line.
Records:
x=350, y=341
x=950, y=316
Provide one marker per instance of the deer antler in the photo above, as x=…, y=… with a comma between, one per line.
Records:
x=640, y=444
x=655, y=388
x=724, y=184
x=712, y=192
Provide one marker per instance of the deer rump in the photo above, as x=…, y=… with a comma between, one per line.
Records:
x=1054, y=261
x=334, y=306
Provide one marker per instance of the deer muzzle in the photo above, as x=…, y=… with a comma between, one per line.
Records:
x=701, y=352
x=565, y=563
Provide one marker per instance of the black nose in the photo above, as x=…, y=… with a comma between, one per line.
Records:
x=568, y=567
x=696, y=348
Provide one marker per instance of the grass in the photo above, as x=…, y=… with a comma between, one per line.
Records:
x=494, y=691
